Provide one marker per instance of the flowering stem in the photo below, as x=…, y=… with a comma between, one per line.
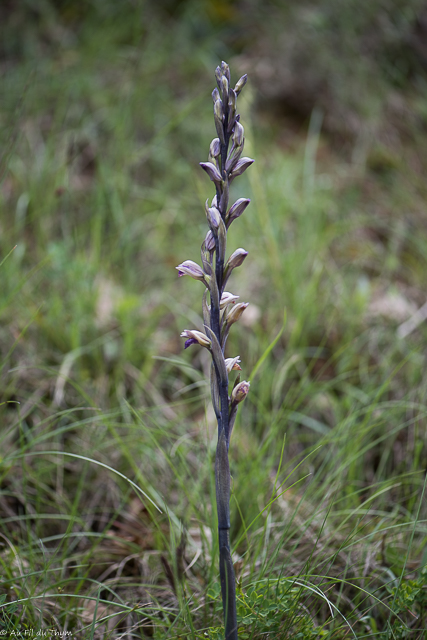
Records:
x=222, y=168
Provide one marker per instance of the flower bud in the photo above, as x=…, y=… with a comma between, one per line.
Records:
x=241, y=167
x=214, y=217
x=232, y=364
x=236, y=312
x=225, y=69
x=215, y=95
x=238, y=134
x=240, y=84
x=236, y=258
x=236, y=210
x=231, y=109
x=218, y=76
x=209, y=241
x=195, y=337
x=219, y=117
x=240, y=392
x=224, y=88
x=233, y=157
x=212, y=171
x=227, y=298
x=215, y=148
x=219, y=110
x=190, y=268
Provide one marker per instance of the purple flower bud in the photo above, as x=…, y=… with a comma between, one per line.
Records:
x=240, y=392
x=214, y=217
x=240, y=84
x=238, y=134
x=241, y=167
x=236, y=210
x=219, y=117
x=219, y=110
x=190, y=268
x=212, y=171
x=210, y=241
x=215, y=95
x=231, y=109
x=195, y=337
x=236, y=259
x=233, y=157
x=215, y=148
x=225, y=70
x=218, y=76
x=224, y=88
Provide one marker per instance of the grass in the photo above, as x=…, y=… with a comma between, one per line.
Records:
x=107, y=439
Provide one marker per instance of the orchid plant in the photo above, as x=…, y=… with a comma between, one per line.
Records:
x=221, y=309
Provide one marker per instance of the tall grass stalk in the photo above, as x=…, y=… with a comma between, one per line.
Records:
x=225, y=163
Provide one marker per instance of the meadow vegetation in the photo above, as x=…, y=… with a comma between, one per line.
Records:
x=107, y=527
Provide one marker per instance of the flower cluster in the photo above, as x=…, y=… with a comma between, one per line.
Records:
x=221, y=310
x=225, y=162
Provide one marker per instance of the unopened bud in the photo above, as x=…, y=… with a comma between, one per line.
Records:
x=212, y=171
x=236, y=258
x=195, y=337
x=231, y=109
x=209, y=241
x=240, y=392
x=232, y=364
x=215, y=95
x=236, y=312
x=225, y=70
x=215, y=148
x=233, y=157
x=224, y=87
x=241, y=167
x=214, y=217
x=218, y=76
x=219, y=117
x=238, y=134
x=240, y=84
x=227, y=298
x=219, y=110
x=236, y=210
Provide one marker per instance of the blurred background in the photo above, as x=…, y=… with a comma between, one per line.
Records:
x=105, y=113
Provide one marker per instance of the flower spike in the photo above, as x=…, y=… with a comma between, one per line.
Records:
x=220, y=308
